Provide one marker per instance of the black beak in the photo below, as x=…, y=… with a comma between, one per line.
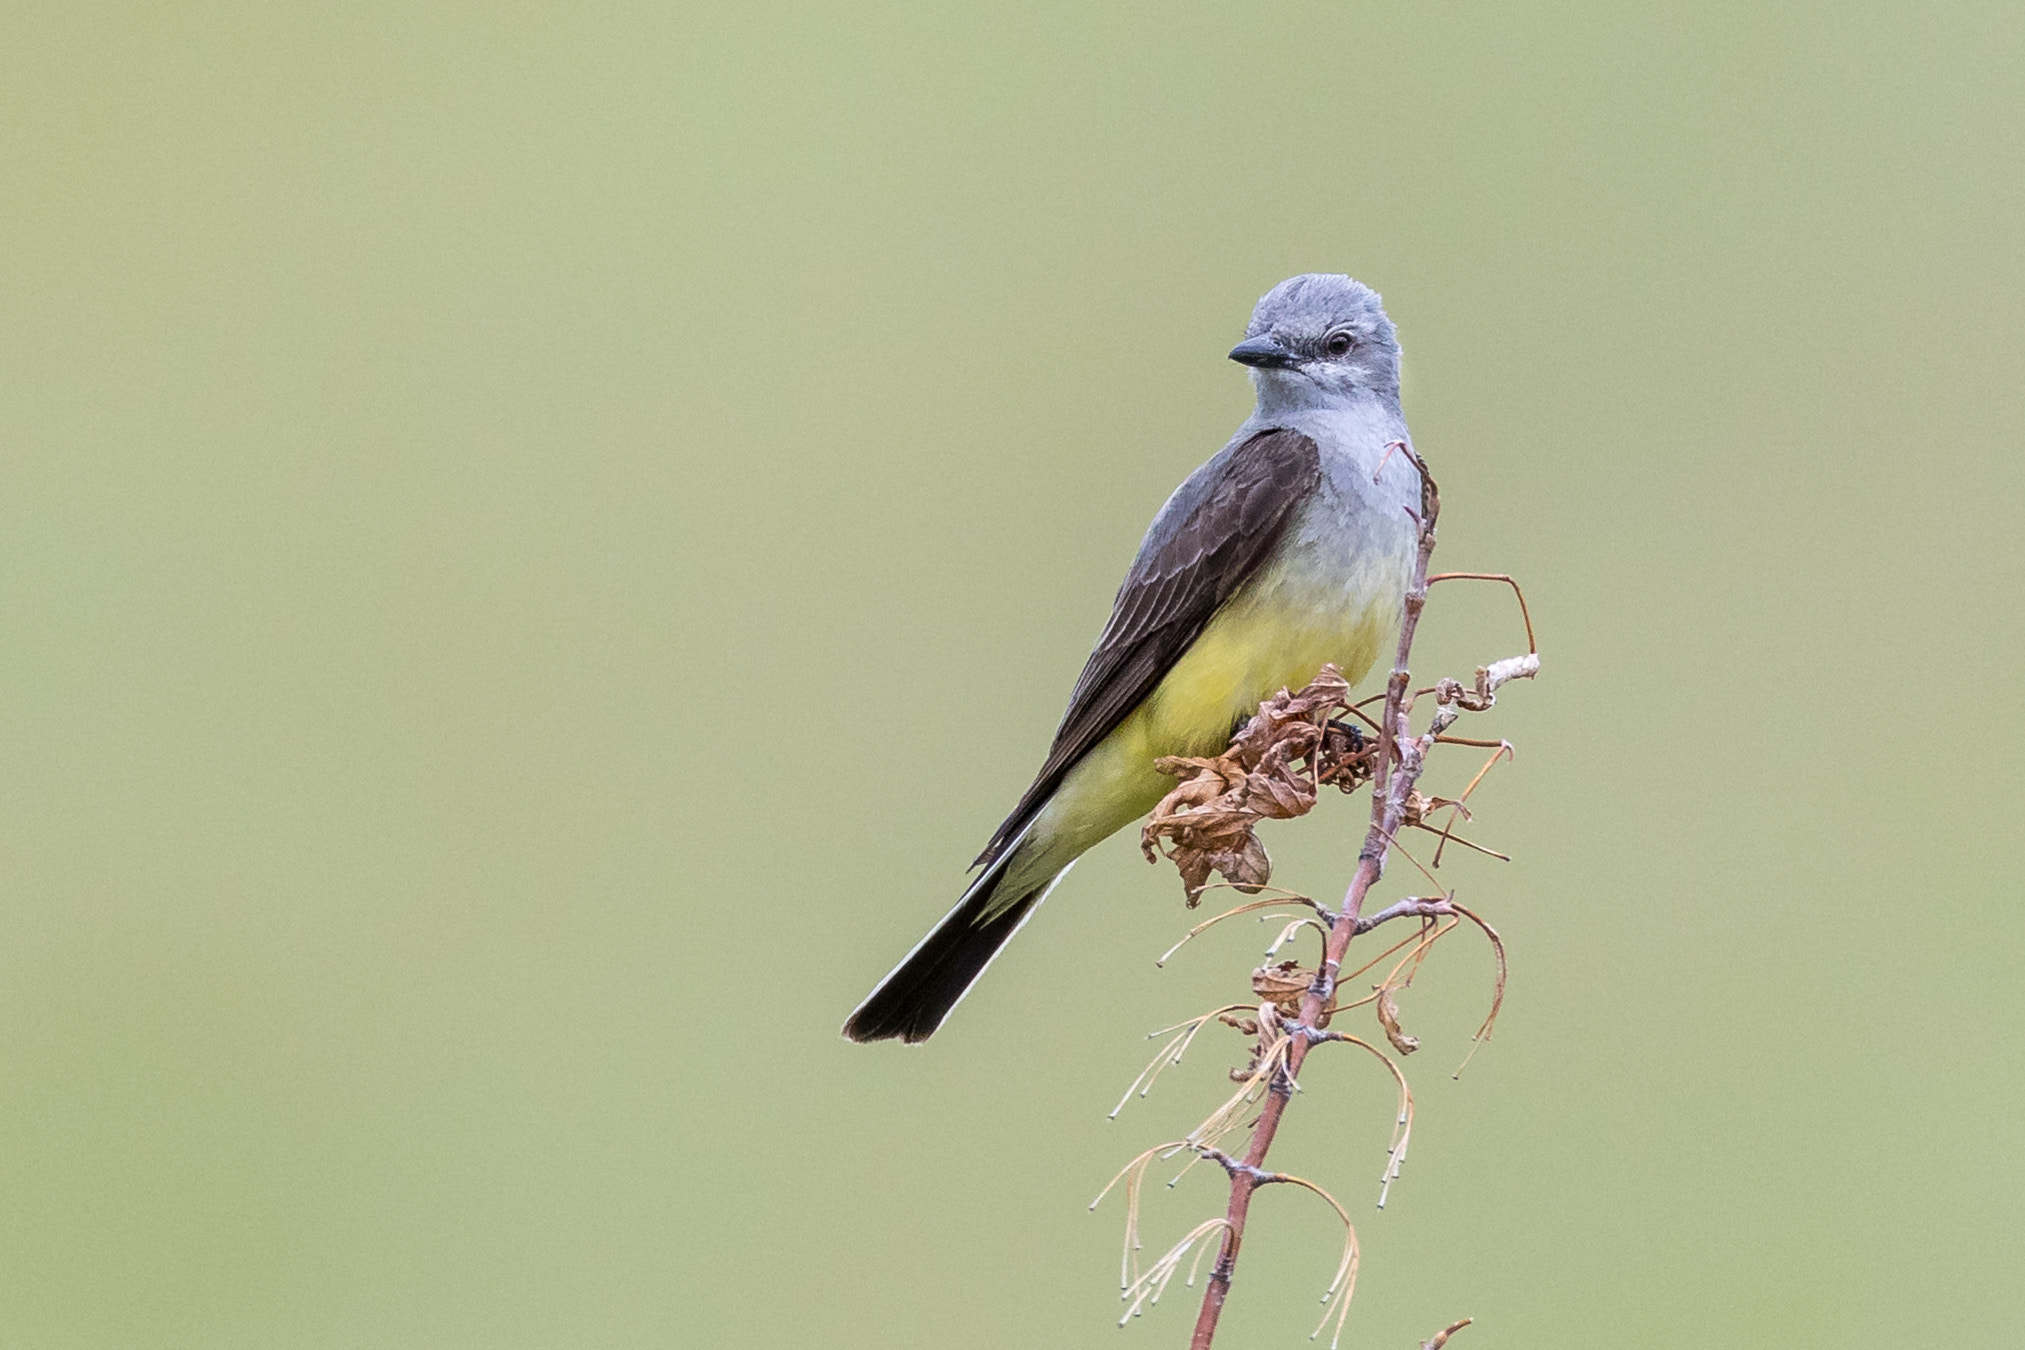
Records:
x=1262, y=353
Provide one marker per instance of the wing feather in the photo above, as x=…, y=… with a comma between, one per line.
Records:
x=1175, y=586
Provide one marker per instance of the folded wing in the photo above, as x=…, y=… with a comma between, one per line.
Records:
x=1184, y=573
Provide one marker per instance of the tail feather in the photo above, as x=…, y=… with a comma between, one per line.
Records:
x=912, y=1001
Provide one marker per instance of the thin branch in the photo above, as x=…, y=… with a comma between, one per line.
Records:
x=1172, y=1052
x=1447, y=838
x=1524, y=613
x=1400, y=757
x=1393, y=840
x=1147, y=1289
x=1504, y=751
x=1402, y=1129
x=1497, y=991
x=1292, y=931
x=1284, y=898
x=1275, y=767
x=1445, y=907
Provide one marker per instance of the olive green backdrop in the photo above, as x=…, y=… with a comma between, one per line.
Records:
x=538, y=539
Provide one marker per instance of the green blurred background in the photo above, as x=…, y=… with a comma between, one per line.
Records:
x=538, y=539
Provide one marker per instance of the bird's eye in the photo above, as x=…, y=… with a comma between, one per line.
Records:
x=1339, y=344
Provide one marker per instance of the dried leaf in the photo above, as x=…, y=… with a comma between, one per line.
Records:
x=1249, y=869
x=1441, y=1337
x=1272, y=770
x=1388, y=1018
x=1283, y=985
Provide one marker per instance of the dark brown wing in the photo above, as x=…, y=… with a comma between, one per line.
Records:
x=1207, y=543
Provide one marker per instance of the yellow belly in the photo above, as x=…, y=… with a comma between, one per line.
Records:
x=1256, y=645
x=1250, y=651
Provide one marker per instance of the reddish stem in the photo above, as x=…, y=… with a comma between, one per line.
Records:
x=1389, y=791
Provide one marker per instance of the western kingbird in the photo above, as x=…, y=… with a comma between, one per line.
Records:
x=1290, y=547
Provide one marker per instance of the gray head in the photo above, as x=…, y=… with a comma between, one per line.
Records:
x=1320, y=339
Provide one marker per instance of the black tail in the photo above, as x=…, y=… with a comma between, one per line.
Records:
x=911, y=1002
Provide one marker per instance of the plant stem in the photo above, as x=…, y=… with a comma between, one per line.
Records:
x=1400, y=758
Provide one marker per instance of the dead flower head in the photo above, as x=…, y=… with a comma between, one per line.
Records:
x=1272, y=770
x=1284, y=985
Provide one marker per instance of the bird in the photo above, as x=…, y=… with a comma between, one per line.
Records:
x=1290, y=547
